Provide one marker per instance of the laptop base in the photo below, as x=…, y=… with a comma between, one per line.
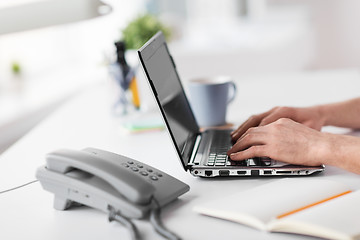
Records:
x=266, y=172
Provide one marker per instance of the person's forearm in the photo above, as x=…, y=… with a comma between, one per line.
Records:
x=342, y=151
x=341, y=114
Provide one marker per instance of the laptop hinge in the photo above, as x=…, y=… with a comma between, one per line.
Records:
x=195, y=149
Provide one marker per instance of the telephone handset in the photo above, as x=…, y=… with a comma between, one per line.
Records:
x=102, y=179
x=132, y=186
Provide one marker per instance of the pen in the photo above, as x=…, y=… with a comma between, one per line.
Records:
x=135, y=93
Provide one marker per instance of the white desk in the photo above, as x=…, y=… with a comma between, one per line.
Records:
x=27, y=101
x=27, y=213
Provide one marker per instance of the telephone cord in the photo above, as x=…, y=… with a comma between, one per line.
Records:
x=157, y=224
x=117, y=216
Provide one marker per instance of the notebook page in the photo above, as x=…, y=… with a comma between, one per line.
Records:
x=258, y=206
x=338, y=219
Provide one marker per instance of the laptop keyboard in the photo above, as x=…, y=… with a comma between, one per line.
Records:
x=223, y=160
x=218, y=154
x=220, y=145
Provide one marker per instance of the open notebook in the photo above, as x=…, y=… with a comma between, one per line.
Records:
x=320, y=208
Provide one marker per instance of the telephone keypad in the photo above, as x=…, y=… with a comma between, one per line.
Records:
x=152, y=174
x=136, y=167
x=152, y=177
x=144, y=173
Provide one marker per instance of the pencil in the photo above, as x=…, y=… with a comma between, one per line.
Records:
x=135, y=93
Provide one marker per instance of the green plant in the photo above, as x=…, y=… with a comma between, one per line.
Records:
x=142, y=29
x=15, y=68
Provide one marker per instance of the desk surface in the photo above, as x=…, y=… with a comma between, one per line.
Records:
x=27, y=213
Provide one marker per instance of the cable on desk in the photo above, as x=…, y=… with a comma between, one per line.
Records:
x=157, y=224
x=116, y=216
x=17, y=187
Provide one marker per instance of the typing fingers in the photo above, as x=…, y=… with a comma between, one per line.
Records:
x=251, y=152
x=277, y=113
x=253, y=121
x=251, y=138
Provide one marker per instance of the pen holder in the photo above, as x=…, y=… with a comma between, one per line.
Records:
x=127, y=98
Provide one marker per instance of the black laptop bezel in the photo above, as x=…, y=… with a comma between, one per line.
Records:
x=144, y=53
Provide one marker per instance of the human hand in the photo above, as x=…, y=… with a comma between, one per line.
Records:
x=309, y=116
x=284, y=140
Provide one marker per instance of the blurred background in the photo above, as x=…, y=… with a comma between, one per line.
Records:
x=51, y=50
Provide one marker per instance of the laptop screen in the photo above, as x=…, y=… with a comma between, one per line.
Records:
x=166, y=85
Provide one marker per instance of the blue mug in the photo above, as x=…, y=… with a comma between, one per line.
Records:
x=209, y=98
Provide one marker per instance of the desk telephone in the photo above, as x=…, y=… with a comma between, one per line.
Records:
x=122, y=187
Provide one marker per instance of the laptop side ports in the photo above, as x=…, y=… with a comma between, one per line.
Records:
x=267, y=172
x=283, y=172
x=224, y=172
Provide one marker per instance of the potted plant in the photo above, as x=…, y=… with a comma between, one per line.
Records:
x=142, y=29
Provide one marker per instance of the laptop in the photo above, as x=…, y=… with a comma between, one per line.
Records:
x=203, y=154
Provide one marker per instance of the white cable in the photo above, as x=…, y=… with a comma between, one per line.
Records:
x=17, y=187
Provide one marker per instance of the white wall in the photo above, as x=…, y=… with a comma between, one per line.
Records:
x=336, y=25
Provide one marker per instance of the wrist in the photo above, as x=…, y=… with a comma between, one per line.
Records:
x=325, y=150
x=324, y=114
x=329, y=154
